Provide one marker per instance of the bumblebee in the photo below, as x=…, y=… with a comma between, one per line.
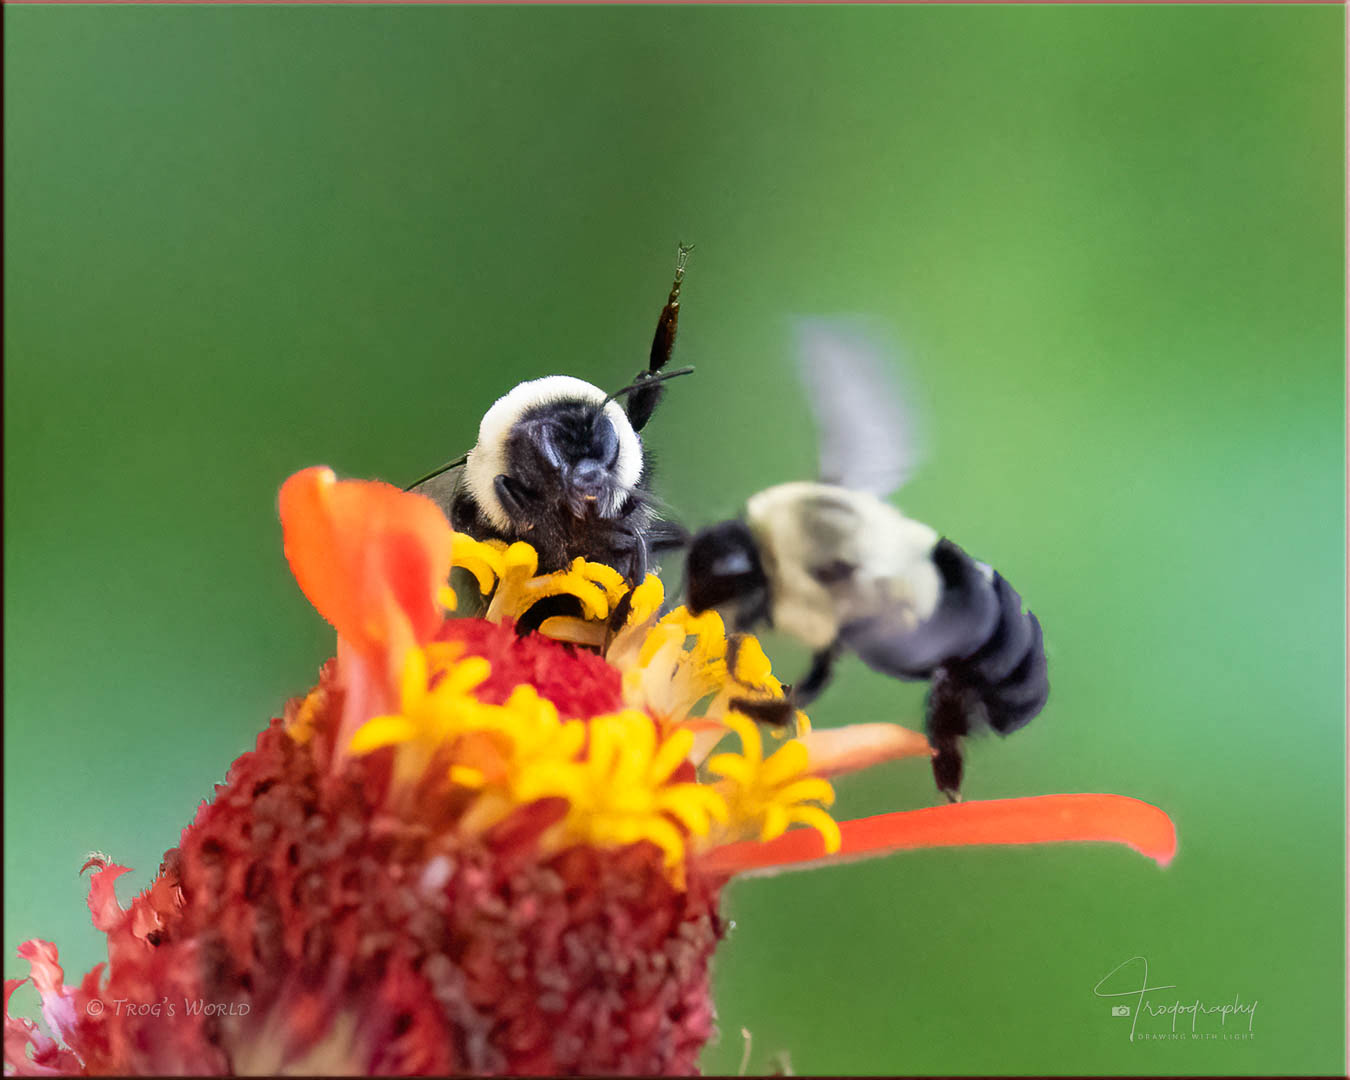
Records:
x=836, y=567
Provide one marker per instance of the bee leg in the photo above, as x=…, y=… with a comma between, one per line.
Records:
x=778, y=711
x=948, y=765
x=513, y=498
x=667, y=536
x=948, y=722
x=619, y=615
x=549, y=607
x=636, y=545
x=822, y=669
x=641, y=558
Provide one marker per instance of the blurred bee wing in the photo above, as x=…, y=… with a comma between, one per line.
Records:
x=868, y=438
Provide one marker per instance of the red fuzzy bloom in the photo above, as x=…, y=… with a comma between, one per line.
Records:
x=297, y=927
x=580, y=683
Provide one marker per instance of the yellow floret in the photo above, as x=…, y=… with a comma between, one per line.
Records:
x=769, y=795
x=621, y=791
x=614, y=771
x=510, y=574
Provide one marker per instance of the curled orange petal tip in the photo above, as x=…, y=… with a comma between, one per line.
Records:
x=371, y=558
x=1041, y=819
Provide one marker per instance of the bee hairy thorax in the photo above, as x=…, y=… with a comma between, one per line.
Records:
x=558, y=536
x=840, y=556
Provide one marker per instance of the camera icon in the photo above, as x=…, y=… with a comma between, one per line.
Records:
x=1120, y=1010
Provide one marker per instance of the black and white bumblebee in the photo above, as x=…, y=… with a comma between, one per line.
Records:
x=836, y=567
x=559, y=464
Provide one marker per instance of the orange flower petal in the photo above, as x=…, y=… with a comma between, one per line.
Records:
x=1041, y=819
x=832, y=751
x=371, y=559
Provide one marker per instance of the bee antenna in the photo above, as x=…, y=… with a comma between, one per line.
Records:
x=681, y=261
x=645, y=380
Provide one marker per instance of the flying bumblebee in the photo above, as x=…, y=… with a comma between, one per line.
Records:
x=836, y=567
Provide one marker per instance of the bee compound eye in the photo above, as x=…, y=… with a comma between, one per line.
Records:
x=732, y=564
x=606, y=448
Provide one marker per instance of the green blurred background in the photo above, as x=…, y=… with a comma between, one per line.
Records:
x=245, y=240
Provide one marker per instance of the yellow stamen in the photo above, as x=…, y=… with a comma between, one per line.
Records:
x=615, y=772
x=511, y=575
x=383, y=731
x=301, y=727
x=752, y=666
x=769, y=795
x=621, y=790
x=467, y=777
x=669, y=666
x=647, y=600
x=574, y=631
x=483, y=559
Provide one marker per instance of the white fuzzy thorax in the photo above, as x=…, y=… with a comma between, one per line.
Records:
x=487, y=460
x=894, y=556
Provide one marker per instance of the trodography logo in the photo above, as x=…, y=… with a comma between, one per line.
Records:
x=1155, y=1014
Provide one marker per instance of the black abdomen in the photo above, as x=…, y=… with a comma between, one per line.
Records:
x=1000, y=680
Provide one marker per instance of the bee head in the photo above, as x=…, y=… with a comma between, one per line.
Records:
x=560, y=442
x=724, y=570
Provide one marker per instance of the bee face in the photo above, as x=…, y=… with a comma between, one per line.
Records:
x=570, y=454
x=553, y=439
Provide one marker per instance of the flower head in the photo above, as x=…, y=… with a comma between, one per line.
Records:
x=470, y=850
